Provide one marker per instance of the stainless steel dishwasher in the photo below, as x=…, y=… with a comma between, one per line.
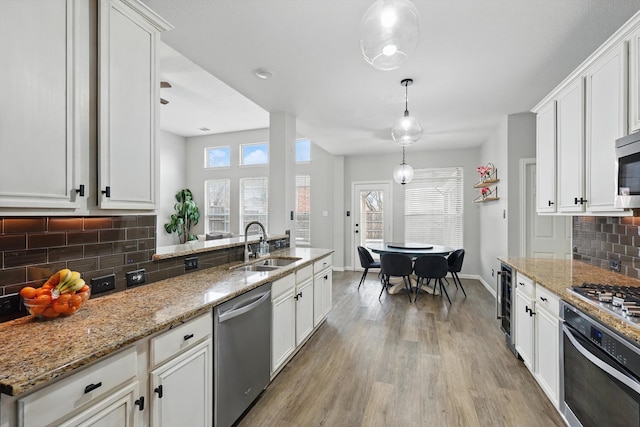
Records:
x=242, y=336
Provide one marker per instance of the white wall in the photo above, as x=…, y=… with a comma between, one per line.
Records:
x=380, y=168
x=172, y=179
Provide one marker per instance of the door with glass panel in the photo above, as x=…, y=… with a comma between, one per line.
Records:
x=371, y=221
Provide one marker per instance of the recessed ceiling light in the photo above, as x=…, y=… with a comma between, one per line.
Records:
x=263, y=74
x=204, y=129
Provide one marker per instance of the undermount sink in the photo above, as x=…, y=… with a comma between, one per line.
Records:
x=258, y=267
x=276, y=262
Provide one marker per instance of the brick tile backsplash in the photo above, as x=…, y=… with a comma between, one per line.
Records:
x=31, y=249
x=596, y=240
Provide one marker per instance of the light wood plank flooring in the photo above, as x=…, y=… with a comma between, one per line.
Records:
x=395, y=363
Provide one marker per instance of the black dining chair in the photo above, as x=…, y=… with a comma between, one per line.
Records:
x=431, y=267
x=455, y=260
x=366, y=262
x=396, y=265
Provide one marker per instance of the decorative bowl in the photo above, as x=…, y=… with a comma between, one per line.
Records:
x=44, y=306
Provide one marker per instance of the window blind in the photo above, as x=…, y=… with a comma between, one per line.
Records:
x=217, y=201
x=303, y=209
x=254, y=200
x=433, y=207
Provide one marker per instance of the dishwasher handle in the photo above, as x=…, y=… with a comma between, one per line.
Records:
x=244, y=307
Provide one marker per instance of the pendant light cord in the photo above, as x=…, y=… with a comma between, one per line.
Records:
x=406, y=98
x=403, y=162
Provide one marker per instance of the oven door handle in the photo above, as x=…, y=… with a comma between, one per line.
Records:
x=624, y=379
x=498, y=295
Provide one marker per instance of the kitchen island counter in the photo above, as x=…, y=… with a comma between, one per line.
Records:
x=36, y=352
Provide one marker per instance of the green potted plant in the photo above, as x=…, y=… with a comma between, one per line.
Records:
x=187, y=214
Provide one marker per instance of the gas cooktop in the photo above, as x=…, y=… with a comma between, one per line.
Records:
x=620, y=301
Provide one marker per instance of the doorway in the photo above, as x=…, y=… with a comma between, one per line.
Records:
x=372, y=212
x=542, y=236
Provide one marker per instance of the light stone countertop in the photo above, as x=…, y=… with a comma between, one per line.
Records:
x=35, y=352
x=559, y=275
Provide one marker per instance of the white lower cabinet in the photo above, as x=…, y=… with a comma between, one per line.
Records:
x=524, y=338
x=322, y=297
x=101, y=392
x=538, y=335
x=283, y=321
x=304, y=310
x=180, y=390
x=181, y=377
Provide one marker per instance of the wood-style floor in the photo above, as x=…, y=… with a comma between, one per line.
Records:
x=389, y=362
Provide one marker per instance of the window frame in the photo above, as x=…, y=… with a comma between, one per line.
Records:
x=302, y=162
x=206, y=157
x=428, y=211
x=227, y=215
x=253, y=144
x=241, y=214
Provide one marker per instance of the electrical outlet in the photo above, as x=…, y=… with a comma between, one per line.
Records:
x=615, y=265
x=9, y=304
x=137, y=277
x=191, y=263
x=103, y=284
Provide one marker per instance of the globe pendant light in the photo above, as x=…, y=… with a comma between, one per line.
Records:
x=406, y=129
x=403, y=173
x=389, y=33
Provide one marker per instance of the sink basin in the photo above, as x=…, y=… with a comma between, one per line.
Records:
x=258, y=267
x=277, y=262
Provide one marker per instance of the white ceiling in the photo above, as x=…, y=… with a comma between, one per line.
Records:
x=477, y=61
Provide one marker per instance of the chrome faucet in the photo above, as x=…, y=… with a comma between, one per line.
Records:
x=247, y=250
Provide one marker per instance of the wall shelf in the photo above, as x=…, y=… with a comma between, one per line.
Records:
x=487, y=183
x=485, y=199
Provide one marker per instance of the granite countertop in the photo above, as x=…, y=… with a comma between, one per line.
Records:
x=559, y=275
x=198, y=246
x=37, y=351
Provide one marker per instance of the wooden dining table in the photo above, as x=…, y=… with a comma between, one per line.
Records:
x=413, y=250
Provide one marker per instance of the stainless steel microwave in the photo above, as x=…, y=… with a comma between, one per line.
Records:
x=628, y=184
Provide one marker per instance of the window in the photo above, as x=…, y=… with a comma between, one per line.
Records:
x=217, y=157
x=254, y=154
x=303, y=209
x=254, y=201
x=303, y=150
x=217, y=202
x=433, y=207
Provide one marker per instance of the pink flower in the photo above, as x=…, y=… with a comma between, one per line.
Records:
x=485, y=191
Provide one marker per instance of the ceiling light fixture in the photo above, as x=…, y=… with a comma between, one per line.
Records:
x=389, y=33
x=406, y=130
x=403, y=173
x=263, y=74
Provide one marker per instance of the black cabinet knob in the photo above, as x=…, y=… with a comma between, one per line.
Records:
x=80, y=190
x=107, y=191
x=140, y=403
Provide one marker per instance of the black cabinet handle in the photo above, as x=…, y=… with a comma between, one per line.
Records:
x=159, y=391
x=551, y=203
x=92, y=387
x=80, y=190
x=580, y=200
x=188, y=337
x=140, y=403
x=107, y=191
x=543, y=299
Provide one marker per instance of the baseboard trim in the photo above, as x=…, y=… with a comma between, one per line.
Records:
x=481, y=280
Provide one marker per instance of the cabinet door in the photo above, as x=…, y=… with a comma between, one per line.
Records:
x=129, y=96
x=606, y=121
x=634, y=81
x=547, y=353
x=546, y=158
x=322, y=297
x=304, y=311
x=283, y=331
x=181, y=389
x=118, y=409
x=570, y=149
x=39, y=129
x=524, y=329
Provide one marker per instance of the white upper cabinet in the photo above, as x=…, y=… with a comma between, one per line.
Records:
x=570, y=148
x=128, y=100
x=546, y=158
x=634, y=81
x=41, y=136
x=606, y=121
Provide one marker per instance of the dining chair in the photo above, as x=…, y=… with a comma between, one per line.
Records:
x=431, y=267
x=455, y=266
x=366, y=262
x=396, y=265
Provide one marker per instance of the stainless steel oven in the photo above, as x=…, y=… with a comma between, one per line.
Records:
x=599, y=373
